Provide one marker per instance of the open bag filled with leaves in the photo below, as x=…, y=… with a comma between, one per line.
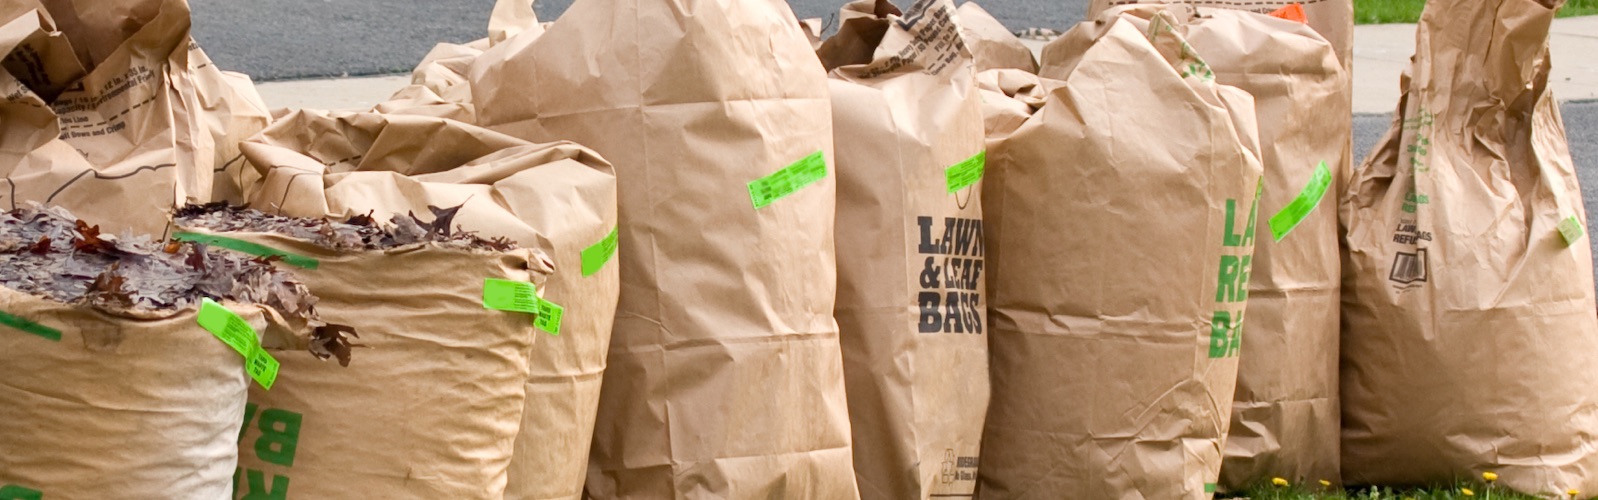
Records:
x=432, y=400
x=1120, y=223
x=557, y=198
x=124, y=362
x=112, y=111
x=911, y=313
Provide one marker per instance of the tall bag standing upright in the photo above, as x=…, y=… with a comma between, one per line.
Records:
x=911, y=314
x=725, y=377
x=1468, y=324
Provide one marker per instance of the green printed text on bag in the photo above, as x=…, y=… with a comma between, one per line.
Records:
x=236, y=333
x=255, y=249
x=507, y=295
x=1571, y=230
x=549, y=316
x=790, y=179
x=26, y=326
x=14, y=492
x=962, y=175
x=1310, y=197
x=595, y=257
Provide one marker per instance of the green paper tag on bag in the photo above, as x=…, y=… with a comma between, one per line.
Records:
x=1571, y=230
x=507, y=295
x=962, y=175
x=1310, y=197
x=595, y=257
x=787, y=181
x=549, y=316
x=236, y=333
x=26, y=326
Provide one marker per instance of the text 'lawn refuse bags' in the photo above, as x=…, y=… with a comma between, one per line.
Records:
x=119, y=376
x=558, y=198
x=1468, y=325
x=432, y=402
x=911, y=313
x=1285, y=414
x=1120, y=225
x=725, y=376
x=113, y=112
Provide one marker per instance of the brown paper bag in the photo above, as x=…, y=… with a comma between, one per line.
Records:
x=911, y=313
x=1120, y=228
x=725, y=377
x=558, y=198
x=106, y=399
x=992, y=45
x=1468, y=326
x=438, y=84
x=1333, y=19
x=1285, y=415
x=431, y=405
x=120, y=116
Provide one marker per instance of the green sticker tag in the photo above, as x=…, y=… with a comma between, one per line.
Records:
x=1570, y=228
x=790, y=179
x=549, y=315
x=1308, y=198
x=13, y=492
x=962, y=175
x=236, y=333
x=1209, y=487
x=257, y=250
x=26, y=326
x=507, y=295
x=595, y=257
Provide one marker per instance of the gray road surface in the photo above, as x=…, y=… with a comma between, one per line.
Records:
x=288, y=39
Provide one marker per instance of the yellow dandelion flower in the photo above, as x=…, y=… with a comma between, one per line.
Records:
x=1573, y=492
x=1467, y=492
x=1489, y=476
x=1279, y=481
x=1326, y=483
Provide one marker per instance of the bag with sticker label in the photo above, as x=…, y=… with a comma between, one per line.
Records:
x=1285, y=415
x=558, y=198
x=725, y=376
x=119, y=376
x=114, y=112
x=1120, y=222
x=1468, y=324
x=431, y=403
x=911, y=314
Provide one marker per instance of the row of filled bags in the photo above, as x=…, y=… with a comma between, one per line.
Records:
x=905, y=261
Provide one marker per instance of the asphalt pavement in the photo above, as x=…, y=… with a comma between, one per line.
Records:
x=293, y=39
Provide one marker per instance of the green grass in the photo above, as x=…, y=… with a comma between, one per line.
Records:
x=1316, y=492
x=1408, y=11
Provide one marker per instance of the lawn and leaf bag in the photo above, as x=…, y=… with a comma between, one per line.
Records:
x=115, y=113
x=908, y=129
x=1285, y=414
x=431, y=406
x=557, y=198
x=1468, y=325
x=1120, y=223
x=119, y=376
x=1333, y=19
x=992, y=45
x=725, y=377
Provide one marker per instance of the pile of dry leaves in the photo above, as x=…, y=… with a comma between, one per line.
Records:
x=360, y=232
